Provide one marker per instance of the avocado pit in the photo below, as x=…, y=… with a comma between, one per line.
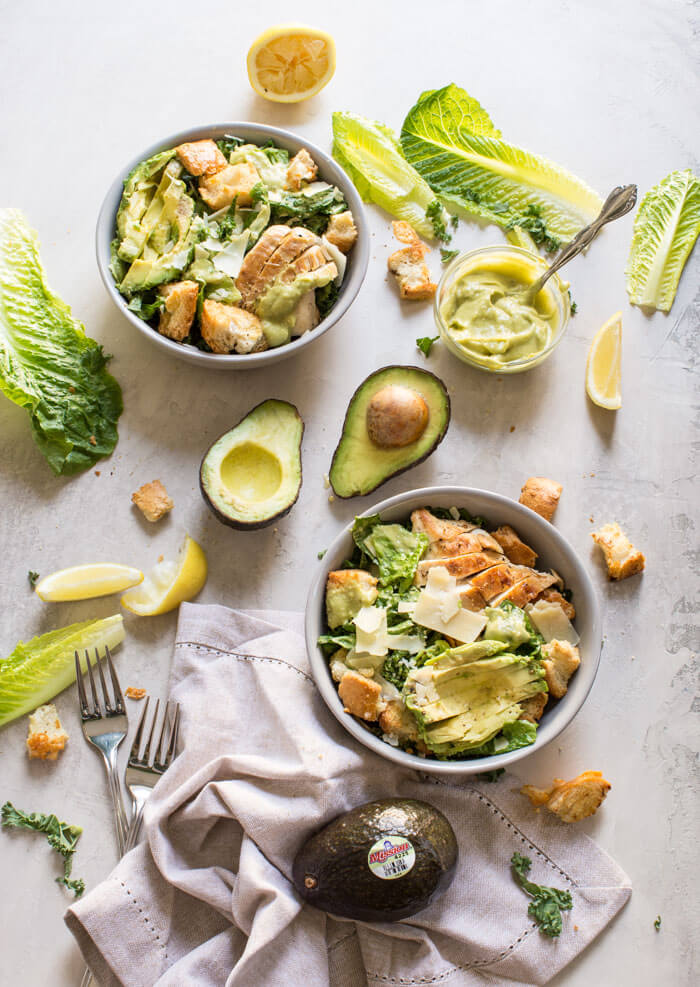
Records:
x=396, y=416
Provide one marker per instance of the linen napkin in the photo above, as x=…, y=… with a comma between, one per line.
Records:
x=207, y=900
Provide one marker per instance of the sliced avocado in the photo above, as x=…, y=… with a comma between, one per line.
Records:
x=347, y=592
x=509, y=625
x=380, y=862
x=251, y=476
x=139, y=191
x=466, y=653
x=395, y=419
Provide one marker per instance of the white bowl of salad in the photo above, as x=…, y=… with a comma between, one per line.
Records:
x=232, y=245
x=453, y=630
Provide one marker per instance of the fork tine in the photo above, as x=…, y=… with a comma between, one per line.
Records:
x=97, y=710
x=134, y=753
x=164, y=736
x=170, y=753
x=108, y=702
x=147, y=753
x=81, y=687
x=118, y=697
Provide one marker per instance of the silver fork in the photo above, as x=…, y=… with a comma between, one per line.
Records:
x=105, y=731
x=142, y=773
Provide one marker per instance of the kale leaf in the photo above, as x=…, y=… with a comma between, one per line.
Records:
x=229, y=143
x=531, y=220
x=657, y=923
x=33, y=578
x=326, y=297
x=62, y=837
x=425, y=343
x=436, y=214
x=311, y=211
x=547, y=903
x=447, y=255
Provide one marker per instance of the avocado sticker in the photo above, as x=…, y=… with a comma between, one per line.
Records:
x=391, y=857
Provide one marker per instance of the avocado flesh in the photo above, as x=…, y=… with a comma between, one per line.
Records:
x=359, y=466
x=343, y=603
x=335, y=861
x=467, y=653
x=139, y=191
x=251, y=475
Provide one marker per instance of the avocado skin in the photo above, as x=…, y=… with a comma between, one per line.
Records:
x=376, y=376
x=336, y=857
x=263, y=522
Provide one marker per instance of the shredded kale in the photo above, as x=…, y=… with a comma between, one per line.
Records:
x=447, y=255
x=326, y=297
x=61, y=837
x=228, y=224
x=531, y=220
x=312, y=211
x=229, y=143
x=33, y=577
x=258, y=193
x=573, y=307
x=425, y=343
x=547, y=903
x=396, y=668
x=491, y=775
x=319, y=555
x=454, y=221
x=274, y=153
x=436, y=214
x=657, y=923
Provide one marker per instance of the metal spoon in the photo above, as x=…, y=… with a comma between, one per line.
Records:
x=619, y=202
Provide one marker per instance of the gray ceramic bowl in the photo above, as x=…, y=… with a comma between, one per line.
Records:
x=255, y=133
x=554, y=551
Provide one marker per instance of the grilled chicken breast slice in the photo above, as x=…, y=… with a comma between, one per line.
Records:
x=461, y=566
x=256, y=259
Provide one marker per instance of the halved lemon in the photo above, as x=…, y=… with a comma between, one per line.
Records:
x=84, y=582
x=169, y=584
x=291, y=62
x=603, y=366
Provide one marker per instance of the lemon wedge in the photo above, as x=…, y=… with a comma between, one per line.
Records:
x=84, y=582
x=168, y=584
x=603, y=366
x=291, y=62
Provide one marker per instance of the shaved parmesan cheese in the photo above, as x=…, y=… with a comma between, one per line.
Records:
x=373, y=637
x=439, y=608
x=406, y=606
x=230, y=259
x=552, y=623
x=338, y=258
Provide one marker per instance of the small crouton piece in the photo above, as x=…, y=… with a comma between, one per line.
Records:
x=533, y=707
x=230, y=329
x=347, y=592
x=232, y=182
x=302, y=168
x=571, y=800
x=397, y=721
x=561, y=660
x=201, y=157
x=341, y=231
x=152, y=500
x=541, y=495
x=132, y=693
x=408, y=266
x=516, y=550
x=621, y=557
x=554, y=596
x=360, y=696
x=47, y=738
x=177, y=315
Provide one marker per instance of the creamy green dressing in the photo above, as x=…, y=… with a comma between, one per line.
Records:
x=277, y=307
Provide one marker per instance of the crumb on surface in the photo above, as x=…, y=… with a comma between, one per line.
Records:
x=152, y=500
x=97, y=473
x=512, y=428
x=134, y=693
x=160, y=558
x=93, y=440
x=47, y=737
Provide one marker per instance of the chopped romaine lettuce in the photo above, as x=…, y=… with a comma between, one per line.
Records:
x=393, y=548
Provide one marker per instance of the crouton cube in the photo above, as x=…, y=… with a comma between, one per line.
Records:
x=302, y=168
x=571, y=800
x=561, y=660
x=152, y=500
x=201, y=157
x=347, y=591
x=516, y=550
x=177, y=314
x=341, y=231
x=134, y=693
x=533, y=707
x=397, y=721
x=360, y=696
x=230, y=329
x=47, y=738
x=541, y=495
x=232, y=182
x=408, y=266
x=621, y=557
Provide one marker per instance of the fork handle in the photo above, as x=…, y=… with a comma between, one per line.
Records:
x=117, y=801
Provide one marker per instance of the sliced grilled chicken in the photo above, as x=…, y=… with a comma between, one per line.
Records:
x=437, y=528
x=313, y=259
x=476, y=540
x=461, y=566
x=516, y=549
x=496, y=581
x=527, y=590
x=292, y=246
x=471, y=598
x=256, y=259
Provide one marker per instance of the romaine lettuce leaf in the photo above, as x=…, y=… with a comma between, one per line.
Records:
x=47, y=363
x=665, y=229
x=372, y=157
x=394, y=549
x=449, y=138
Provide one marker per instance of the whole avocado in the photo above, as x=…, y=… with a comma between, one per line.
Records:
x=380, y=862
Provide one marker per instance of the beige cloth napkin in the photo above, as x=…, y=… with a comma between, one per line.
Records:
x=206, y=899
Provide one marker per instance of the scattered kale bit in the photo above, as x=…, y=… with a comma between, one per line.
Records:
x=33, y=577
x=447, y=255
x=311, y=211
x=491, y=775
x=425, y=343
x=228, y=224
x=396, y=668
x=657, y=923
x=61, y=837
x=573, y=307
x=547, y=903
x=229, y=143
x=454, y=221
x=258, y=193
x=435, y=214
x=326, y=297
x=532, y=222
x=319, y=555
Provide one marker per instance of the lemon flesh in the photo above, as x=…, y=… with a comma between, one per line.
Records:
x=603, y=366
x=169, y=583
x=84, y=582
x=290, y=63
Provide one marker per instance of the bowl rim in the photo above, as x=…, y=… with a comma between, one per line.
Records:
x=319, y=665
x=332, y=171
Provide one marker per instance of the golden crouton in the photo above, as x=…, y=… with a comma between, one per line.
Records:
x=554, y=596
x=541, y=495
x=347, y=592
x=516, y=550
x=360, y=696
x=201, y=157
x=302, y=168
x=621, y=557
x=47, y=738
x=397, y=721
x=571, y=800
x=232, y=182
x=152, y=500
x=408, y=265
x=533, y=707
x=229, y=329
x=177, y=315
x=561, y=660
x=341, y=231
x=133, y=693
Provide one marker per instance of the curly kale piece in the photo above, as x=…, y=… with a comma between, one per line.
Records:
x=547, y=903
x=61, y=836
x=33, y=578
x=425, y=344
x=436, y=214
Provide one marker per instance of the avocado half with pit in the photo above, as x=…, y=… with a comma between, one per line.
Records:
x=251, y=476
x=395, y=419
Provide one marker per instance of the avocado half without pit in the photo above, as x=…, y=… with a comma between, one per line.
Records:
x=251, y=475
x=396, y=418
